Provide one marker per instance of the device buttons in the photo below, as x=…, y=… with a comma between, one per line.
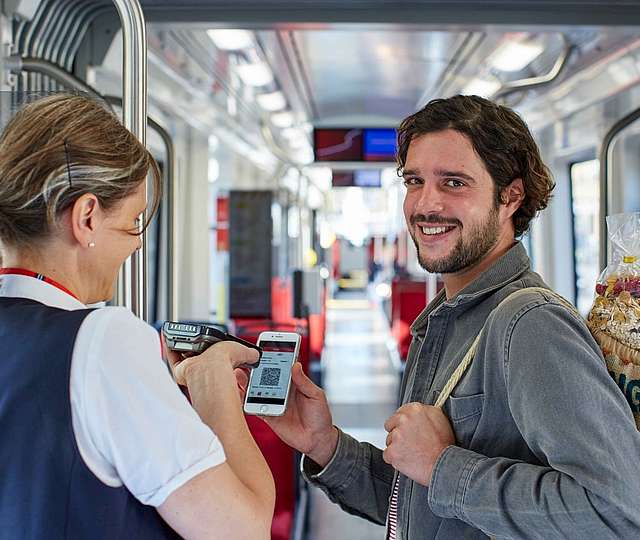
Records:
x=263, y=408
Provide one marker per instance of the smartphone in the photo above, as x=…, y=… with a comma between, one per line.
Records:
x=268, y=388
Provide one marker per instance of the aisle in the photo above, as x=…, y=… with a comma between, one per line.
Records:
x=361, y=386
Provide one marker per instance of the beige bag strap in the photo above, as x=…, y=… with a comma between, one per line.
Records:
x=458, y=373
x=468, y=358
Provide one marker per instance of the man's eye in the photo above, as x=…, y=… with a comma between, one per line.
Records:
x=454, y=183
x=411, y=182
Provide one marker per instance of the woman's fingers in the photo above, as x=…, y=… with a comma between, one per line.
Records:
x=234, y=352
x=242, y=379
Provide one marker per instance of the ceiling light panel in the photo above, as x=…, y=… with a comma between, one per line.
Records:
x=257, y=74
x=481, y=87
x=274, y=101
x=514, y=55
x=292, y=134
x=282, y=119
x=231, y=40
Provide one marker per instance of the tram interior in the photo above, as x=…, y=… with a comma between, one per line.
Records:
x=279, y=223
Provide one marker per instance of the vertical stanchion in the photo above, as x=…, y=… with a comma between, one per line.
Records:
x=132, y=282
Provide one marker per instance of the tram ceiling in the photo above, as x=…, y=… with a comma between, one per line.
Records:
x=331, y=73
x=481, y=12
x=380, y=80
x=339, y=77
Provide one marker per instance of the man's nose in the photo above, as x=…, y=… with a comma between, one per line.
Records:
x=430, y=199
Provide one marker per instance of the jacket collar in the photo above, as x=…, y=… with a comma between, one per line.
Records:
x=506, y=269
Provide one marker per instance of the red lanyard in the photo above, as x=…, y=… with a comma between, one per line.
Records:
x=23, y=272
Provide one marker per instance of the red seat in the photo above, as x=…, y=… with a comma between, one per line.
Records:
x=408, y=299
x=282, y=462
x=280, y=457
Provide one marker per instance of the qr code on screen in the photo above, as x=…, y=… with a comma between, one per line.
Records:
x=270, y=377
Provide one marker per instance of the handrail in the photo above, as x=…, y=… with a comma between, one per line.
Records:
x=132, y=287
x=17, y=64
x=606, y=166
x=531, y=83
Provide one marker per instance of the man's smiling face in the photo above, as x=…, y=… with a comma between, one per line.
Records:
x=450, y=205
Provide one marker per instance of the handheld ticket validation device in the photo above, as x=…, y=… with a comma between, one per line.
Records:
x=193, y=339
x=268, y=389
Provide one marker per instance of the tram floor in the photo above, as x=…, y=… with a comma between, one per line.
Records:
x=361, y=385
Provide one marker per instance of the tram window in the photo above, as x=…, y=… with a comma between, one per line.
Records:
x=585, y=204
x=526, y=242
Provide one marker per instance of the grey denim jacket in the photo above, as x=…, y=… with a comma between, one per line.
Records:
x=546, y=445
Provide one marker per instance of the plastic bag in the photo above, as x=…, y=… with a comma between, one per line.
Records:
x=623, y=274
x=614, y=319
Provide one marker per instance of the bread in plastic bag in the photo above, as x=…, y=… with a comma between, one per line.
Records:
x=614, y=319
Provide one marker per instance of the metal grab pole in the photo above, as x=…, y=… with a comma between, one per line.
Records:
x=606, y=166
x=132, y=286
x=171, y=198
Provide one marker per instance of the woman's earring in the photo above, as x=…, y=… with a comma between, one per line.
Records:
x=92, y=244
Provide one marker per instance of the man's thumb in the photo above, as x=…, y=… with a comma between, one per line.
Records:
x=304, y=384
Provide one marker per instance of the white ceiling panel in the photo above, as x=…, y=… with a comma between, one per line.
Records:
x=379, y=74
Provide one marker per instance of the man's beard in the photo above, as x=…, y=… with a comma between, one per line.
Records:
x=467, y=252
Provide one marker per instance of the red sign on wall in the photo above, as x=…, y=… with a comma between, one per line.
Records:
x=222, y=238
x=222, y=227
x=222, y=210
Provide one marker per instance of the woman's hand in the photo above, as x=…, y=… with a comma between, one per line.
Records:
x=224, y=354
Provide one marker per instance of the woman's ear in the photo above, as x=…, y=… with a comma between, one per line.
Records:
x=86, y=217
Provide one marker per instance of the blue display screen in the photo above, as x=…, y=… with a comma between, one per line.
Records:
x=367, y=178
x=361, y=178
x=379, y=145
x=354, y=144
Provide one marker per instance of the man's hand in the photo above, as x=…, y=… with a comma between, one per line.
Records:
x=418, y=434
x=306, y=424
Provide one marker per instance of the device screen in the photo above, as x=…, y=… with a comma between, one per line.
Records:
x=270, y=380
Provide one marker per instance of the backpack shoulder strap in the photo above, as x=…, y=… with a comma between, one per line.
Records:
x=548, y=292
x=468, y=357
x=458, y=373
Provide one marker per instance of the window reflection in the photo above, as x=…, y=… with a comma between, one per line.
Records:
x=585, y=204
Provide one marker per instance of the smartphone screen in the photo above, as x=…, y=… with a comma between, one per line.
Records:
x=270, y=380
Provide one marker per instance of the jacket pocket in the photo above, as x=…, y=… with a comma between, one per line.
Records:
x=464, y=413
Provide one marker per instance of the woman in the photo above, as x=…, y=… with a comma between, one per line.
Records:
x=97, y=440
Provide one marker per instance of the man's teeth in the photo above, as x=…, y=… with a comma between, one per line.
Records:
x=433, y=230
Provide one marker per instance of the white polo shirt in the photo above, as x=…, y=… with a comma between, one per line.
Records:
x=132, y=424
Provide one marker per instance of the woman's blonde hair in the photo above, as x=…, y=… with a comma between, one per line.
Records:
x=57, y=149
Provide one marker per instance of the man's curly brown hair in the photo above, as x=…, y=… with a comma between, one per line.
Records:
x=501, y=139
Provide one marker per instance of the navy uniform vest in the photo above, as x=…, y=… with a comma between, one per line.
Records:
x=46, y=490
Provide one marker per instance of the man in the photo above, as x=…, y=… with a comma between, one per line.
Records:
x=536, y=440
